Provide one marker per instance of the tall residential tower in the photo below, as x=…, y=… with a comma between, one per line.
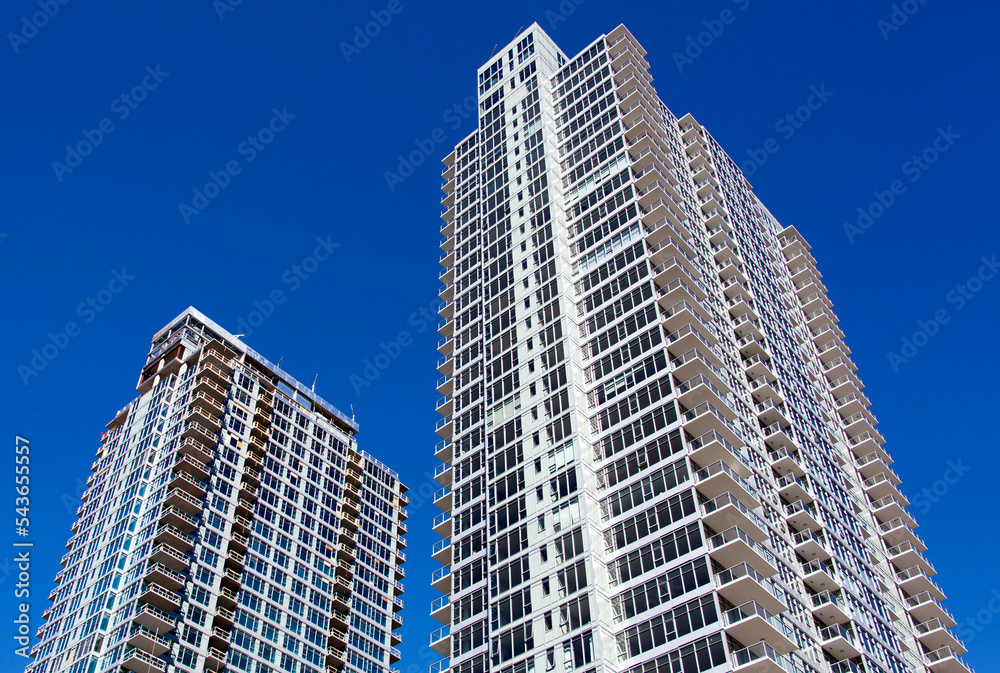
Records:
x=230, y=523
x=656, y=452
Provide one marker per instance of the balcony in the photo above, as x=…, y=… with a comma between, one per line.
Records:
x=188, y=484
x=677, y=293
x=682, y=313
x=668, y=269
x=792, y=488
x=733, y=546
x=174, y=537
x=712, y=447
x=443, y=451
x=154, y=618
x=441, y=551
x=443, y=474
x=872, y=464
x=761, y=388
x=444, y=427
x=166, y=555
x=718, y=478
x=934, y=634
x=693, y=363
x=777, y=435
x=441, y=609
x=751, y=345
x=861, y=423
x=915, y=580
x=888, y=508
x=759, y=364
x=744, y=326
x=838, y=642
x=830, y=608
x=946, y=660
x=441, y=641
x=163, y=576
x=905, y=556
x=196, y=449
x=751, y=623
x=148, y=640
x=760, y=658
x=142, y=662
x=215, y=659
x=786, y=461
x=179, y=518
x=446, y=365
x=881, y=485
x=441, y=580
x=705, y=418
x=810, y=544
x=701, y=389
x=158, y=597
x=742, y=583
x=924, y=608
x=897, y=531
x=442, y=524
x=820, y=576
x=442, y=499
x=770, y=413
x=726, y=510
x=192, y=466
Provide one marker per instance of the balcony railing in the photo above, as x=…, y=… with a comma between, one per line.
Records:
x=729, y=499
x=735, y=533
x=946, y=653
x=761, y=650
x=834, y=631
x=440, y=634
x=744, y=569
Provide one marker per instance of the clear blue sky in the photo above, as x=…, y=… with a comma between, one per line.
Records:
x=207, y=85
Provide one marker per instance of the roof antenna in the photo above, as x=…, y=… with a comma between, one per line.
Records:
x=494, y=49
x=279, y=361
x=314, y=382
x=352, y=413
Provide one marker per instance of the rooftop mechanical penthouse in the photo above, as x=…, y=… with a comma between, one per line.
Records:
x=656, y=455
x=231, y=523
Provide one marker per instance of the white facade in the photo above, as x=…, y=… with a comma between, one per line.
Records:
x=656, y=455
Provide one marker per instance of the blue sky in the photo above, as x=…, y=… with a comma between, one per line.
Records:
x=297, y=132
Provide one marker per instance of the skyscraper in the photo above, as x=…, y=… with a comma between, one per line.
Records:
x=656, y=455
x=230, y=523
